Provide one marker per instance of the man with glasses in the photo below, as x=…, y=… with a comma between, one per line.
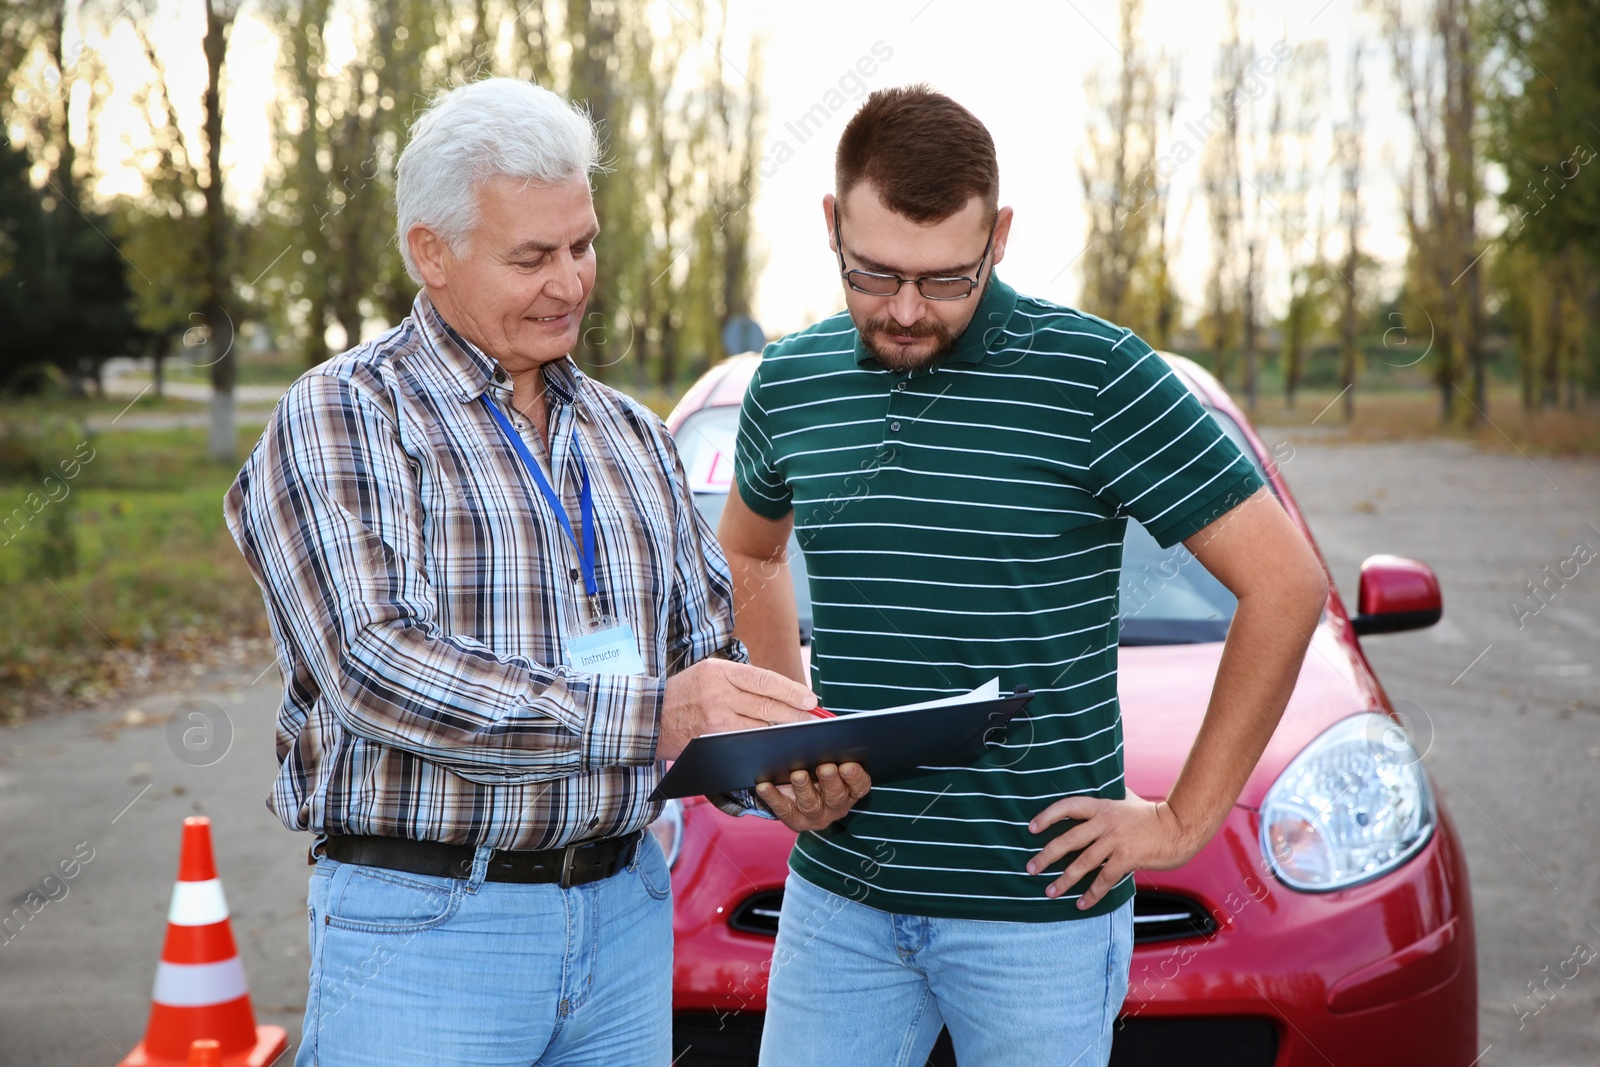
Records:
x=1002, y=442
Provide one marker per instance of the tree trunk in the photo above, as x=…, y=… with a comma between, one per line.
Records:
x=1348, y=352
x=592, y=28
x=350, y=321
x=1550, y=350
x=65, y=179
x=317, y=329
x=1473, y=342
x=1248, y=328
x=224, y=440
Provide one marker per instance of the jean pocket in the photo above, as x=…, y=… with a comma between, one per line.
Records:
x=651, y=864
x=376, y=900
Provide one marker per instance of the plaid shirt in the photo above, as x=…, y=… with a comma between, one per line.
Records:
x=421, y=593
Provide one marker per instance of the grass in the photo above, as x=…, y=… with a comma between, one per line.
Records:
x=27, y=414
x=116, y=559
x=1414, y=415
x=269, y=368
x=1395, y=400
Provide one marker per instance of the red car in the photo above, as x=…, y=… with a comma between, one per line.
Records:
x=1328, y=922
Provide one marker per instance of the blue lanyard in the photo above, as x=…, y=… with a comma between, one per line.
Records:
x=585, y=500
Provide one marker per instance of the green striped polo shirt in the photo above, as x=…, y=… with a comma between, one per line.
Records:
x=966, y=521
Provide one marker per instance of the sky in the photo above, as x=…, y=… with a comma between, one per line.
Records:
x=1019, y=65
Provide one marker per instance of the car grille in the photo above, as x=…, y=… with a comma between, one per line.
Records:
x=1219, y=1042
x=716, y=1038
x=758, y=914
x=1156, y=916
x=1167, y=917
x=733, y=1039
x=1215, y=1042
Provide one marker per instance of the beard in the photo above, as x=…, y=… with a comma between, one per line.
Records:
x=895, y=357
x=874, y=338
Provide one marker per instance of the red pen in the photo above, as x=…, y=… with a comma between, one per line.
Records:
x=823, y=713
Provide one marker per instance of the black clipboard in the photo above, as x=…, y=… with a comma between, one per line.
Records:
x=888, y=744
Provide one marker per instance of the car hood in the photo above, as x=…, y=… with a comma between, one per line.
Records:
x=1164, y=690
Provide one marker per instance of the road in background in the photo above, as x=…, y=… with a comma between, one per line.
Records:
x=1505, y=702
x=1509, y=718
x=130, y=379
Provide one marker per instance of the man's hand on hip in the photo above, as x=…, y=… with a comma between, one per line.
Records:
x=1118, y=836
x=715, y=695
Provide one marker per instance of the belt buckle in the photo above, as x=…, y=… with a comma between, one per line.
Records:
x=567, y=855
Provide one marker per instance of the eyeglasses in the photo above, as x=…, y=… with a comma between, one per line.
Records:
x=876, y=283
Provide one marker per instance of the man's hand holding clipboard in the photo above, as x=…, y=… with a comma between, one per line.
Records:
x=804, y=805
x=890, y=743
x=717, y=696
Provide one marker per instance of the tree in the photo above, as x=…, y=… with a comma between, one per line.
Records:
x=65, y=296
x=1545, y=140
x=215, y=295
x=40, y=63
x=679, y=148
x=1153, y=279
x=722, y=143
x=738, y=116
x=1550, y=303
x=184, y=223
x=1249, y=158
x=1437, y=65
x=25, y=355
x=330, y=209
x=1349, y=141
x=161, y=229
x=1115, y=169
x=603, y=70
x=1220, y=178
x=1127, y=185
x=1294, y=179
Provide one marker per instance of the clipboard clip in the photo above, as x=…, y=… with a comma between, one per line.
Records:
x=1005, y=717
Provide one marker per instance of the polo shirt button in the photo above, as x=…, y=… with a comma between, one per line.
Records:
x=895, y=426
x=900, y=386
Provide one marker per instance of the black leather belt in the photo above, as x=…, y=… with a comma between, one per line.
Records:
x=576, y=864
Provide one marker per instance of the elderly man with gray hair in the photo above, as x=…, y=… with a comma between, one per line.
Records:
x=496, y=610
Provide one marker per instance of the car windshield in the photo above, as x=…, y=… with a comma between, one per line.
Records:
x=1168, y=598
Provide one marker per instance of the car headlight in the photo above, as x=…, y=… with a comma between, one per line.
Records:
x=668, y=829
x=1354, y=804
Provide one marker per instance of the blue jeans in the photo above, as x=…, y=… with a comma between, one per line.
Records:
x=854, y=985
x=408, y=969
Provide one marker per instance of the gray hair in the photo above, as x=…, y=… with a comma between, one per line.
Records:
x=498, y=126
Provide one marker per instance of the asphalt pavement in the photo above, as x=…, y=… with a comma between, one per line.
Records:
x=1504, y=694
x=1506, y=702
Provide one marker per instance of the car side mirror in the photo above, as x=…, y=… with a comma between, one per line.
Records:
x=1396, y=594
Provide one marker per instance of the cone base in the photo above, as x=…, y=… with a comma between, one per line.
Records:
x=271, y=1042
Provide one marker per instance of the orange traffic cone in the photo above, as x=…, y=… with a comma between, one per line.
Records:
x=200, y=991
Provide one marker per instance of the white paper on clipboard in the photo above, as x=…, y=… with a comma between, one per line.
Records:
x=989, y=690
